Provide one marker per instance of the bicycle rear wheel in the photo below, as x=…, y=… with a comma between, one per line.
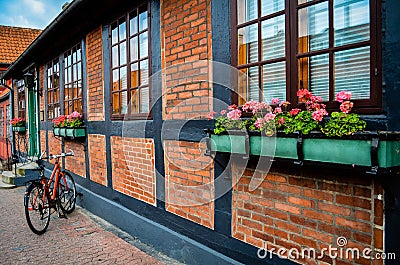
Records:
x=37, y=208
x=67, y=193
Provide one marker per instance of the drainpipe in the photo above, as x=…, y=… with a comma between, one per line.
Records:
x=38, y=110
x=3, y=83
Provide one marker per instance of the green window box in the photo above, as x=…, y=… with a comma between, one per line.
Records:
x=352, y=150
x=19, y=129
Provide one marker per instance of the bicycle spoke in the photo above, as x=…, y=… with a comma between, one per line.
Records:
x=37, y=209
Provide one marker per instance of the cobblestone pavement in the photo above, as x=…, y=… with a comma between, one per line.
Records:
x=80, y=239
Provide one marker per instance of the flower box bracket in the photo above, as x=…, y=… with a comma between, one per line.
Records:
x=374, y=155
x=299, y=148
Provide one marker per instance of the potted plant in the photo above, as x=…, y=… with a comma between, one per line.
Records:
x=306, y=133
x=18, y=124
x=71, y=126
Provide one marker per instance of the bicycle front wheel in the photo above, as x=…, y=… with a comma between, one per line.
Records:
x=37, y=208
x=67, y=193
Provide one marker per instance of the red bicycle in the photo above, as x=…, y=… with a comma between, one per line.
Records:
x=57, y=193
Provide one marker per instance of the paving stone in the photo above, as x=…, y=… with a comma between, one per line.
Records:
x=80, y=239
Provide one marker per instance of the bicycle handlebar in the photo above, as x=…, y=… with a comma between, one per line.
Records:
x=71, y=153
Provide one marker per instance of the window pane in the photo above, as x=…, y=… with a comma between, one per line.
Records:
x=74, y=57
x=314, y=75
x=79, y=66
x=134, y=101
x=69, y=59
x=313, y=28
x=134, y=49
x=144, y=72
x=75, y=90
x=122, y=53
x=56, y=80
x=124, y=102
x=133, y=25
x=122, y=30
x=248, y=84
x=79, y=90
x=248, y=44
x=49, y=98
x=143, y=21
x=123, y=78
x=274, y=81
x=115, y=85
x=271, y=6
x=75, y=72
x=69, y=75
x=351, y=19
x=144, y=99
x=78, y=106
x=115, y=56
x=66, y=107
x=352, y=72
x=116, y=106
x=247, y=10
x=144, y=46
x=114, y=34
x=134, y=76
x=273, y=38
x=79, y=55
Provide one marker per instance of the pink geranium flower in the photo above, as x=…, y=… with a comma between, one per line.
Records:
x=223, y=112
x=251, y=105
x=281, y=121
x=232, y=107
x=343, y=96
x=346, y=106
x=315, y=99
x=318, y=115
x=75, y=115
x=294, y=112
x=275, y=101
x=278, y=110
x=234, y=114
x=210, y=115
x=259, y=123
x=269, y=117
x=304, y=95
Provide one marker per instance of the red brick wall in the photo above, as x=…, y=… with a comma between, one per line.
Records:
x=133, y=167
x=75, y=163
x=54, y=146
x=303, y=212
x=186, y=39
x=97, y=161
x=42, y=141
x=95, y=67
x=189, y=190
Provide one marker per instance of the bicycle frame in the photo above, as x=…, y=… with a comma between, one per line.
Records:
x=55, y=175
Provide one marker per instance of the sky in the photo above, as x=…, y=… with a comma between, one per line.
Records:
x=29, y=13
